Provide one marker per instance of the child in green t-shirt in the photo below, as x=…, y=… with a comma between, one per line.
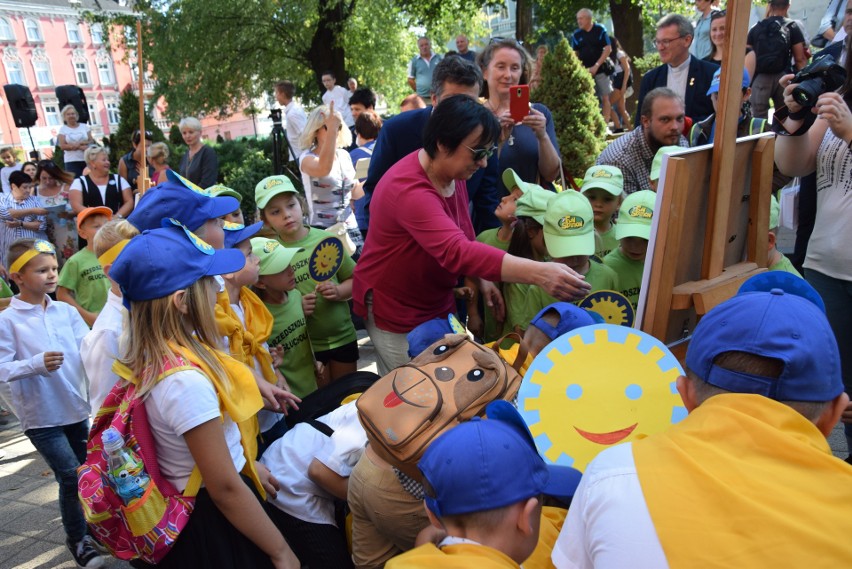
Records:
x=482, y=322
x=82, y=282
x=569, y=236
x=604, y=187
x=276, y=287
x=330, y=326
x=633, y=231
x=776, y=259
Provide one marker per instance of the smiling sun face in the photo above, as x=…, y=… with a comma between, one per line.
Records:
x=326, y=259
x=596, y=387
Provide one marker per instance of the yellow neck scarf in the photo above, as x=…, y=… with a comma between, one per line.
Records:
x=246, y=342
x=745, y=481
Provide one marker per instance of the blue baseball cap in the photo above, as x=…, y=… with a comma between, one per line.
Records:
x=485, y=464
x=237, y=232
x=427, y=334
x=192, y=207
x=788, y=282
x=158, y=262
x=717, y=79
x=774, y=324
x=571, y=317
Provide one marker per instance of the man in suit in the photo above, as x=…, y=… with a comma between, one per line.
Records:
x=684, y=74
x=401, y=135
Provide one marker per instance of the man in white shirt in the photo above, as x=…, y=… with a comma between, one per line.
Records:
x=294, y=116
x=340, y=96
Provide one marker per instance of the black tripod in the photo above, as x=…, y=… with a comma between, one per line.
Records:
x=280, y=144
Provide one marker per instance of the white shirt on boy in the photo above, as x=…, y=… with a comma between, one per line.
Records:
x=44, y=398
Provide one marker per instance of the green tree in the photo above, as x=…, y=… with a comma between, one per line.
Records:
x=569, y=92
x=212, y=56
x=120, y=141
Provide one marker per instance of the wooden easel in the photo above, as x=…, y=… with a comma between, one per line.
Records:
x=704, y=232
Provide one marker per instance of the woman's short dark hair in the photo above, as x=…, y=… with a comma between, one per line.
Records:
x=454, y=119
x=18, y=178
x=368, y=124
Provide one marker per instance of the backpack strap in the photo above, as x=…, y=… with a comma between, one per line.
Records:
x=193, y=485
x=321, y=427
x=522, y=349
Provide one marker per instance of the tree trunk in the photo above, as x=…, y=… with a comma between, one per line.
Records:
x=523, y=20
x=326, y=52
x=627, y=27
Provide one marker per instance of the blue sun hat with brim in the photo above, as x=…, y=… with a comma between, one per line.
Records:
x=193, y=208
x=426, y=334
x=236, y=232
x=490, y=463
x=158, y=262
x=571, y=317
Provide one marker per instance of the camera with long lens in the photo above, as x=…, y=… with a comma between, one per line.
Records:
x=275, y=116
x=821, y=76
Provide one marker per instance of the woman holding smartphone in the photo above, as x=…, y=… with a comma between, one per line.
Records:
x=528, y=146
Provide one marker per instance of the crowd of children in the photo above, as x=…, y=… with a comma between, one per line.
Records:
x=224, y=328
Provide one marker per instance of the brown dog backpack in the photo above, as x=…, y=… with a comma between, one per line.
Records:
x=448, y=383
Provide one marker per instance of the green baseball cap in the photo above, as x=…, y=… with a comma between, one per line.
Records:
x=533, y=203
x=511, y=179
x=569, y=227
x=271, y=186
x=774, y=212
x=607, y=178
x=220, y=190
x=273, y=256
x=657, y=164
x=636, y=215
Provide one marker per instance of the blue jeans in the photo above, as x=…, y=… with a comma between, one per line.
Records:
x=64, y=449
x=837, y=295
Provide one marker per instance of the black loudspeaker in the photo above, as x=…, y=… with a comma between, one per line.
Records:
x=73, y=95
x=21, y=104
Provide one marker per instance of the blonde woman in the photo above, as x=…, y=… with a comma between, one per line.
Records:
x=199, y=165
x=327, y=171
x=100, y=187
x=74, y=137
x=158, y=158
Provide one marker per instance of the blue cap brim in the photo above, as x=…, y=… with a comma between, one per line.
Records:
x=563, y=482
x=788, y=282
x=226, y=261
x=232, y=238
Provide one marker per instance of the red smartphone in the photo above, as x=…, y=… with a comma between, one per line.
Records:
x=519, y=102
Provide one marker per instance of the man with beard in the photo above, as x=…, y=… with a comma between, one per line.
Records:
x=661, y=117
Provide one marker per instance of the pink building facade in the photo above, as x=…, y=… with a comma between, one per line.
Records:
x=45, y=44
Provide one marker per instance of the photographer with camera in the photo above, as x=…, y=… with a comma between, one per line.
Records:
x=816, y=129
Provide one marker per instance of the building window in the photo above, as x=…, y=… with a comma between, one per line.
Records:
x=112, y=113
x=73, y=28
x=81, y=71
x=15, y=72
x=42, y=72
x=97, y=32
x=105, y=71
x=33, y=30
x=6, y=33
x=93, y=113
x=51, y=114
